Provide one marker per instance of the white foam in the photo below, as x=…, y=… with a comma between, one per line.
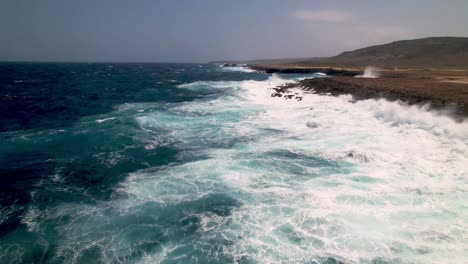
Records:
x=408, y=177
x=401, y=192
x=240, y=68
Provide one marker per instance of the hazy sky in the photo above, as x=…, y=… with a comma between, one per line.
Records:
x=204, y=30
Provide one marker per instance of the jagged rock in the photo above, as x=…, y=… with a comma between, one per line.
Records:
x=312, y=124
x=294, y=70
x=357, y=156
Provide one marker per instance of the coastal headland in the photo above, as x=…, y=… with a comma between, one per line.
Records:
x=441, y=89
x=431, y=71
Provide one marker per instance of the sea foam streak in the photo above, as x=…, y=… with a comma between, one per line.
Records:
x=369, y=181
x=240, y=68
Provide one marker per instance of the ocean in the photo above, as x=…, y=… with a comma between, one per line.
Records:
x=196, y=163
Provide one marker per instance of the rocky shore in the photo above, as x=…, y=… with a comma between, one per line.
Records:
x=286, y=69
x=435, y=89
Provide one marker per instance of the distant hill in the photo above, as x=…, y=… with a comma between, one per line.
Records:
x=434, y=52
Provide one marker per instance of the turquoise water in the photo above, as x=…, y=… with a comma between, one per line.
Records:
x=187, y=163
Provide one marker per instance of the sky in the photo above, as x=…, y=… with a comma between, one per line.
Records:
x=206, y=30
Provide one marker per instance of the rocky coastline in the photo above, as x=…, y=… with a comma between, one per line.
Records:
x=303, y=70
x=413, y=90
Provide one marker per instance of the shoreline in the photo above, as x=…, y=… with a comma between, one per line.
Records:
x=445, y=90
x=288, y=69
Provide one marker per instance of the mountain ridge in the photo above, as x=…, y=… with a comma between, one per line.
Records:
x=431, y=52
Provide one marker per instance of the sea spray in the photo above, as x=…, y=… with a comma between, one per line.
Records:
x=370, y=72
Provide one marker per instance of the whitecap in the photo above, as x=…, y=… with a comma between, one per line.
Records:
x=104, y=119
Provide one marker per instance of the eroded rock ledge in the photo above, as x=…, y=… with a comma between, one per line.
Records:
x=303, y=70
x=412, y=91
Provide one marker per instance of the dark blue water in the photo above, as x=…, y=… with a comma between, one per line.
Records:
x=45, y=132
x=189, y=163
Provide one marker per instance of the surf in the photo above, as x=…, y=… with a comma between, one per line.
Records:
x=242, y=176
